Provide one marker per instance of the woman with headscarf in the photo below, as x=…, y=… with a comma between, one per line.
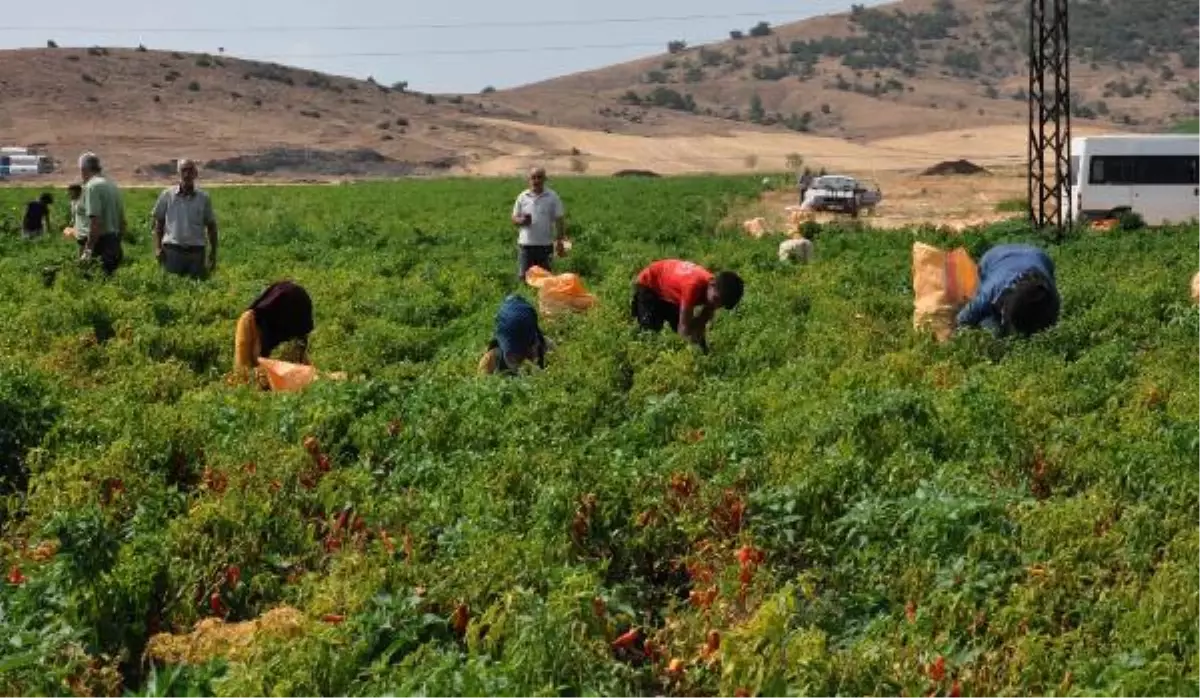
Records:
x=281, y=313
x=1017, y=292
x=517, y=339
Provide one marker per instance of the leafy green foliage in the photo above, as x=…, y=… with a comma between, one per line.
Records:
x=849, y=506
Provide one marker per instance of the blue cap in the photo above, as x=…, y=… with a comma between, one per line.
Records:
x=516, y=326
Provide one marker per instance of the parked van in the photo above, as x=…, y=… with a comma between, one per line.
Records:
x=23, y=164
x=1155, y=176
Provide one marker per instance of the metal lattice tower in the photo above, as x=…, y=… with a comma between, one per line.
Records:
x=1049, y=116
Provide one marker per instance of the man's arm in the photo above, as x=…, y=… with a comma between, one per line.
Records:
x=560, y=219
x=160, y=221
x=211, y=225
x=91, y=208
x=518, y=218
x=975, y=311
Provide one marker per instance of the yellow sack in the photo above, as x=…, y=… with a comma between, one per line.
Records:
x=69, y=233
x=558, y=293
x=755, y=227
x=287, y=377
x=943, y=282
x=1196, y=288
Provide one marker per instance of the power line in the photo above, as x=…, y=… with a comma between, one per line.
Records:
x=449, y=52
x=498, y=24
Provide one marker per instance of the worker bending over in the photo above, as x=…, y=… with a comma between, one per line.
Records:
x=684, y=295
x=517, y=339
x=1017, y=292
x=281, y=313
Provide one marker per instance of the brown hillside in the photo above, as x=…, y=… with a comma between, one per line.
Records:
x=139, y=109
x=910, y=67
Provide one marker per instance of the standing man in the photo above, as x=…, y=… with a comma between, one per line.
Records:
x=183, y=215
x=538, y=212
x=104, y=210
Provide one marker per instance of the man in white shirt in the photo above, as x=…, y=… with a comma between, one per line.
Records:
x=182, y=216
x=539, y=214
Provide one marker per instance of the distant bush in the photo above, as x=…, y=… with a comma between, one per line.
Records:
x=761, y=29
x=487, y=90
x=579, y=165
x=203, y=61
x=51, y=44
x=676, y=46
x=194, y=86
x=737, y=35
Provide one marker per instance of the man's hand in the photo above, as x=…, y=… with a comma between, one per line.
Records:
x=560, y=247
x=522, y=219
x=85, y=254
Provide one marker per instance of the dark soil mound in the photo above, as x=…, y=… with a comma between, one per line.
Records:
x=954, y=167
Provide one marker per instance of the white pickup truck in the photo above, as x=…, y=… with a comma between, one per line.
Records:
x=840, y=194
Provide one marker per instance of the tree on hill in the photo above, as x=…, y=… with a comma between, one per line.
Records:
x=756, y=109
x=761, y=29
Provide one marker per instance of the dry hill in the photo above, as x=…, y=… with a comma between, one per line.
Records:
x=910, y=67
x=870, y=75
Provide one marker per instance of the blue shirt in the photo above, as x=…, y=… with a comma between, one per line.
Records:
x=998, y=270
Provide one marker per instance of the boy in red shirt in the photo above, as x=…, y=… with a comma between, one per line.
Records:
x=670, y=291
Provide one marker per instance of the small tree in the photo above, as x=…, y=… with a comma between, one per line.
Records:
x=51, y=44
x=401, y=86
x=488, y=90
x=676, y=46
x=736, y=34
x=761, y=29
x=756, y=109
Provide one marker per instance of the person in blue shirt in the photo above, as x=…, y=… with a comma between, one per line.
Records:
x=1017, y=292
x=517, y=339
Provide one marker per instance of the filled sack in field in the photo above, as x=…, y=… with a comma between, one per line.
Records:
x=755, y=227
x=558, y=293
x=943, y=282
x=1196, y=288
x=213, y=638
x=795, y=250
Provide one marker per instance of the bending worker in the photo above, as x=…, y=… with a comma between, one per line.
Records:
x=281, y=313
x=517, y=339
x=670, y=291
x=1017, y=292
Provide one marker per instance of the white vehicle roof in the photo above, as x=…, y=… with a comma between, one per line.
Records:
x=835, y=181
x=1137, y=144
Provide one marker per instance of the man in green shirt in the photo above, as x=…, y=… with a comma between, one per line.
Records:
x=104, y=209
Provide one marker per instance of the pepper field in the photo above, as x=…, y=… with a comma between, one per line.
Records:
x=829, y=503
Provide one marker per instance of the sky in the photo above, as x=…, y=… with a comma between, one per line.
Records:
x=446, y=46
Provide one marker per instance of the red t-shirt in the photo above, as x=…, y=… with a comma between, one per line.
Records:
x=683, y=283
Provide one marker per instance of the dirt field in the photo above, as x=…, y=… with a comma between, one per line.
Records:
x=910, y=199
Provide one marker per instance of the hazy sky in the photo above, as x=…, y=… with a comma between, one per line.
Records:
x=430, y=59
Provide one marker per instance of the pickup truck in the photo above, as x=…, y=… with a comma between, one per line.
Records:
x=840, y=194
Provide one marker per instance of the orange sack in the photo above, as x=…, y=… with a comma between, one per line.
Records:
x=943, y=282
x=559, y=293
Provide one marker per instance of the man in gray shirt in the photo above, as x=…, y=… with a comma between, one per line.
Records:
x=538, y=213
x=182, y=217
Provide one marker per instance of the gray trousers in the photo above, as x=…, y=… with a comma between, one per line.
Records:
x=184, y=261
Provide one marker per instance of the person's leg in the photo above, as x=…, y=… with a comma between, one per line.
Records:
x=646, y=307
x=195, y=263
x=108, y=248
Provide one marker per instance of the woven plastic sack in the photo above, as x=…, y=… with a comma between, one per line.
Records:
x=943, y=282
x=795, y=250
x=284, y=376
x=755, y=227
x=559, y=293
